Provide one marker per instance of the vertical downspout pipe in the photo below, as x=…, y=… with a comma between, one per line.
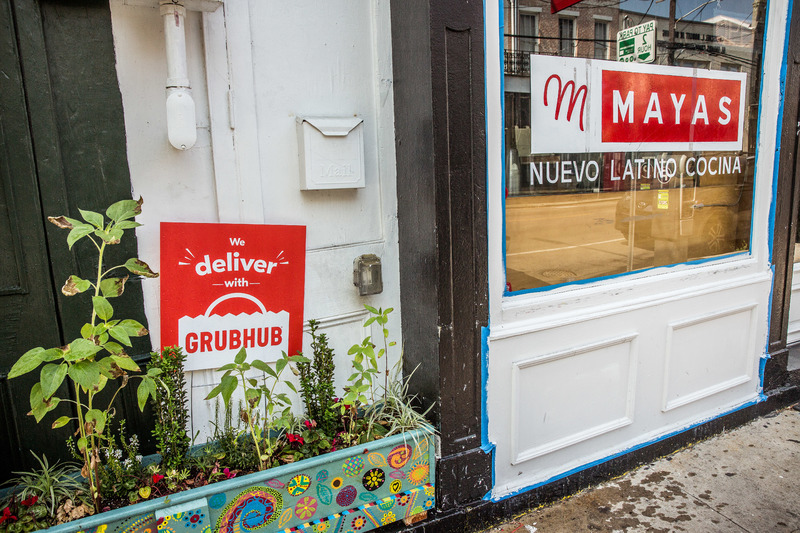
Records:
x=181, y=125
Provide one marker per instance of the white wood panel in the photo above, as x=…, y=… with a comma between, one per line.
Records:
x=708, y=354
x=569, y=367
x=547, y=415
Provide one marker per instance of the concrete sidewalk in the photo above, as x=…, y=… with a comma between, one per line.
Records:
x=747, y=479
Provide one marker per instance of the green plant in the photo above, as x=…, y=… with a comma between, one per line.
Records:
x=304, y=438
x=316, y=383
x=98, y=356
x=365, y=364
x=122, y=467
x=277, y=405
x=229, y=443
x=47, y=486
x=170, y=408
x=23, y=515
x=396, y=413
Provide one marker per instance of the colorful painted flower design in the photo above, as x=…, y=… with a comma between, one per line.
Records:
x=321, y=527
x=353, y=466
x=388, y=518
x=399, y=456
x=305, y=508
x=336, y=483
x=285, y=517
x=419, y=473
x=346, y=496
x=420, y=450
x=374, y=479
x=192, y=519
x=430, y=490
x=298, y=484
x=276, y=484
x=376, y=459
x=358, y=522
x=386, y=504
x=252, y=508
x=403, y=499
x=217, y=500
x=324, y=494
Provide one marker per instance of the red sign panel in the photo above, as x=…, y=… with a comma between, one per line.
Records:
x=558, y=5
x=230, y=286
x=644, y=107
x=586, y=105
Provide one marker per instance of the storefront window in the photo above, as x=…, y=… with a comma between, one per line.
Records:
x=603, y=208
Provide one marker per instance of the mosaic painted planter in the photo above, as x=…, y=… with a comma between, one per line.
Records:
x=348, y=491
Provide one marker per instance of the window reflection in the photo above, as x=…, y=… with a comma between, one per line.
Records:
x=581, y=216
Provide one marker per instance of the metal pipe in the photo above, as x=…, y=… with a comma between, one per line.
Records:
x=181, y=125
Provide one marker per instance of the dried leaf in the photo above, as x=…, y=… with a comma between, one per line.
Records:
x=62, y=222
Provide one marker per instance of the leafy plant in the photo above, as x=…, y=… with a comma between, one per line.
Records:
x=277, y=405
x=98, y=356
x=170, y=408
x=21, y=515
x=45, y=488
x=304, y=439
x=122, y=467
x=316, y=383
x=365, y=364
x=229, y=444
x=396, y=413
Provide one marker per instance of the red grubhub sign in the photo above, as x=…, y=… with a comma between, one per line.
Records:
x=225, y=287
x=584, y=105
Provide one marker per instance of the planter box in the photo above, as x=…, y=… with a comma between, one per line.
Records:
x=356, y=489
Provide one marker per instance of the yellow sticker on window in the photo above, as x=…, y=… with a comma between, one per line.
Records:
x=663, y=199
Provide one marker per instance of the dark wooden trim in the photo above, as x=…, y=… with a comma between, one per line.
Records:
x=441, y=150
x=787, y=199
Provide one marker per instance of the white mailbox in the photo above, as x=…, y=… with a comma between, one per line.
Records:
x=331, y=152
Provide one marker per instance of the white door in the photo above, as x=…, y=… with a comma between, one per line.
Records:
x=256, y=67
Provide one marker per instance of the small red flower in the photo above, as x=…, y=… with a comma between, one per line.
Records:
x=294, y=438
x=30, y=501
x=310, y=424
x=7, y=515
x=157, y=478
x=228, y=473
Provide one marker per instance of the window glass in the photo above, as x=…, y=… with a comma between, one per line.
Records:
x=634, y=207
x=527, y=31
x=601, y=40
x=566, y=37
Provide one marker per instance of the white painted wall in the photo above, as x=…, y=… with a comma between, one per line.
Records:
x=254, y=67
x=580, y=373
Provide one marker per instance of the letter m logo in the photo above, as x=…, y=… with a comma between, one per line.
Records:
x=561, y=93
